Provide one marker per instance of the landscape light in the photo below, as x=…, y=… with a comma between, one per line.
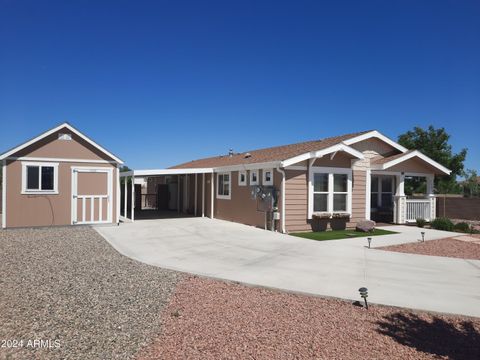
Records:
x=423, y=236
x=369, y=241
x=364, y=294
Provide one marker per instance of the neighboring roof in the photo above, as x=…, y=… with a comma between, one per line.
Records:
x=53, y=130
x=272, y=154
x=388, y=162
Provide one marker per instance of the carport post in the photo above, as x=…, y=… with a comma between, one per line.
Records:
x=178, y=193
x=203, y=195
x=212, y=189
x=133, y=198
x=195, y=192
x=125, y=197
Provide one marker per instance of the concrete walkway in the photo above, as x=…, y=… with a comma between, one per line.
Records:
x=336, y=268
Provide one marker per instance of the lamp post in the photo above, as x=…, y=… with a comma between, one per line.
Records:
x=364, y=294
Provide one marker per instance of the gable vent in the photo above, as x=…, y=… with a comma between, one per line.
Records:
x=64, y=136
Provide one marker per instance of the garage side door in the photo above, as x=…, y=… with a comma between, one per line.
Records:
x=91, y=196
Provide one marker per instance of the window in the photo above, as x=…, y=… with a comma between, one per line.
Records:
x=267, y=177
x=253, y=177
x=331, y=190
x=242, y=178
x=39, y=178
x=223, y=186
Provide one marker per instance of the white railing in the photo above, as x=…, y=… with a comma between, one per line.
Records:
x=418, y=208
x=100, y=218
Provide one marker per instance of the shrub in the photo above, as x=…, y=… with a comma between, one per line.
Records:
x=442, y=224
x=421, y=222
x=462, y=227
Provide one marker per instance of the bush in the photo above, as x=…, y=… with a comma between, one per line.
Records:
x=421, y=222
x=462, y=227
x=442, y=224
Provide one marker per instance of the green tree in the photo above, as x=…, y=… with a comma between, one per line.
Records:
x=471, y=186
x=435, y=144
x=123, y=169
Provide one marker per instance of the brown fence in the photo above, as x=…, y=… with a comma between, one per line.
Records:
x=458, y=208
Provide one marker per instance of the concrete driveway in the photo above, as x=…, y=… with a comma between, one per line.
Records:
x=336, y=268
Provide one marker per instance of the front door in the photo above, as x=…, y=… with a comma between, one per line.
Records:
x=91, y=195
x=381, y=201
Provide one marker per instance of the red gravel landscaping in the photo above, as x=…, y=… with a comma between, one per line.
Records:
x=210, y=319
x=443, y=247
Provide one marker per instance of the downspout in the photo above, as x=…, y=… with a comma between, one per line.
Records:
x=282, y=219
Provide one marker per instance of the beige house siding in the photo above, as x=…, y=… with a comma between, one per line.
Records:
x=296, y=201
x=42, y=209
x=414, y=165
x=45, y=210
x=359, y=187
x=241, y=207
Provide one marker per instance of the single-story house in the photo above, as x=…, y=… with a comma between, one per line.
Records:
x=330, y=183
x=60, y=177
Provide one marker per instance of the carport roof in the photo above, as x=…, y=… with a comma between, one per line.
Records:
x=159, y=172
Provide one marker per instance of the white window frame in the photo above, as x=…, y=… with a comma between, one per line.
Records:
x=229, y=196
x=240, y=182
x=26, y=191
x=264, y=180
x=251, y=177
x=330, y=171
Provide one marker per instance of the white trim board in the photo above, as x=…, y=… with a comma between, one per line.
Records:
x=330, y=171
x=93, y=161
x=55, y=129
x=224, y=197
x=378, y=135
x=39, y=191
x=320, y=153
x=409, y=155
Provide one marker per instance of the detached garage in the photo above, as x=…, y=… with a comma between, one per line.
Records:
x=61, y=177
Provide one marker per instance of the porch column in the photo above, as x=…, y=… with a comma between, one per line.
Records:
x=133, y=198
x=431, y=196
x=203, y=195
x=400, y=207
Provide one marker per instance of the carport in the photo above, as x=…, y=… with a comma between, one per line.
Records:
x=166, y=193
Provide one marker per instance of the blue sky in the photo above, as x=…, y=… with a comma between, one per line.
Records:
x=162, y=82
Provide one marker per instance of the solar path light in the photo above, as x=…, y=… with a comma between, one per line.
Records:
x=369, y=241
x=423, y=236
x=364, y=294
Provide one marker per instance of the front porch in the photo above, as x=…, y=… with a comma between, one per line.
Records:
x=390, y=204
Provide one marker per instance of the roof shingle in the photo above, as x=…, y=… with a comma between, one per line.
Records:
x=277, y=153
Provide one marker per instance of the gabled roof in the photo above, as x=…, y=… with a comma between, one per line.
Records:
x=52, y=131
x=277, y=153
x=388, y=162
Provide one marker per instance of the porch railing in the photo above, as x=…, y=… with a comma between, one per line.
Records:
x=418, y=208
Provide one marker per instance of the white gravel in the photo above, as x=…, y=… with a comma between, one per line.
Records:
x=68, y=286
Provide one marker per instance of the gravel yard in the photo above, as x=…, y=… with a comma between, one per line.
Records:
x=443, y=247
x=209, y=319
x=68, y=284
